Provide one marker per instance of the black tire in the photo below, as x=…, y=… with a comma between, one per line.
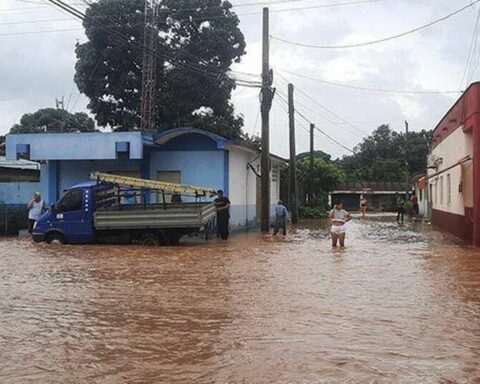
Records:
x=173, y=238
x=56, y=238
x=149, y=239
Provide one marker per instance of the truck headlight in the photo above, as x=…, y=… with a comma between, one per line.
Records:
x=35, y=225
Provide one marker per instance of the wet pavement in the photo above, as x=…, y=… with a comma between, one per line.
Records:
x=400, y=304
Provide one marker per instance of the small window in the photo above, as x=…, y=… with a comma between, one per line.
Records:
x=436, y=190
x=449, y=189
x=441, y=189
x=420, y=195
x=71, y=201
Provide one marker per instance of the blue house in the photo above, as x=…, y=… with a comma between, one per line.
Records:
x=184, y=155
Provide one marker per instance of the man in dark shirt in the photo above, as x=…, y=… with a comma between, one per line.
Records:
x=223, y=214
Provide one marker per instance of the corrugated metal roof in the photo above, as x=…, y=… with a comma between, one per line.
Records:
x=19, y=164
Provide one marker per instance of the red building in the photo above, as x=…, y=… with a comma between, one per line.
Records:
x=454, y=169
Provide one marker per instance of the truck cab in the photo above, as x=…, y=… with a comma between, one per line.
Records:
x=70, y=220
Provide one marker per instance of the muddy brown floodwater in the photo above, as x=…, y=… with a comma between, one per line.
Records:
x=400, y=304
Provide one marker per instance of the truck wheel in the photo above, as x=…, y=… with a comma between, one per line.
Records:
x=149, y=240
x=56, y=238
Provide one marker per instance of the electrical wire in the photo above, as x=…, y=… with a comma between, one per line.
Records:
x=41, y=31
x=34, y=21
x=473, y=45
x=316, y=127
x=382, y=40
x=323, y=107
x=370, y=89
x=187, y=66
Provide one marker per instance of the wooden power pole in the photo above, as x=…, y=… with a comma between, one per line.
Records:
x=312, y=150
x=293, y=157
x=266, y=97
x=407, y=177
x=312, y=154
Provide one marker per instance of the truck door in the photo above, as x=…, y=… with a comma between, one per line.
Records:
x=73, y=216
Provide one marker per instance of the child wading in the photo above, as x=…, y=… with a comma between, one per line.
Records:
x=338, y=217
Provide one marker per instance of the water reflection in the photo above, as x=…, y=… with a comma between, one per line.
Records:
x=399, y=304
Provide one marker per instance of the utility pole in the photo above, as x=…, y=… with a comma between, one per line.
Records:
x=266, y=96
x=60, y=103
x=312, y=130
x=149, y=67
x=407, y=177
x=293, y=155
x=312, y=151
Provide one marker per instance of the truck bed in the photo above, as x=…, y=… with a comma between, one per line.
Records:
x=185, y=215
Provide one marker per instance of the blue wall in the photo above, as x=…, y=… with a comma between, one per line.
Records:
x=75, y=146
x=201, y=168
x=56, y=176
x=17, y=193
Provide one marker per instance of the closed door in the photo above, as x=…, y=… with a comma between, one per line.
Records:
x=174, y=177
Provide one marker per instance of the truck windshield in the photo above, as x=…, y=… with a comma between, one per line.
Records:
x=71, y=201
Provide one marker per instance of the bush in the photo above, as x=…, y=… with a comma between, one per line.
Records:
x=312, y=212
x=12, y=219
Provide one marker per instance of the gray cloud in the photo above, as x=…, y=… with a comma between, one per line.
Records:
x=37, y=68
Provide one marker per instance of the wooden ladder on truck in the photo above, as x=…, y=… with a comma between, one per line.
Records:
x=134, y=182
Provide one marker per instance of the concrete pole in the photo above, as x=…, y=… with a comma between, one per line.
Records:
x=407, y=177
x=266, y=102
x=293, y=155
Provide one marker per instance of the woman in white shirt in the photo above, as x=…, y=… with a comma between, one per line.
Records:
x=338, y=217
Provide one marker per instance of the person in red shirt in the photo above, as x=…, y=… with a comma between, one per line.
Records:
x=414, y=201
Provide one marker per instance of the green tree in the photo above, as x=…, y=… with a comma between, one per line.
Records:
x=316, y=183
x=199, y=41
x=51, y=120
x=381, y=156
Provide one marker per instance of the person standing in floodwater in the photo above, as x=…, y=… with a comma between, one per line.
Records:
x=363, y=205
x=415, y=207
x=223, y=214
x=36, y=208
x=400, y=208
x=338, y=218
x=281, y=218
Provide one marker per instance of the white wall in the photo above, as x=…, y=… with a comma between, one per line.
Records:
x=243, y=189
x=455, y=147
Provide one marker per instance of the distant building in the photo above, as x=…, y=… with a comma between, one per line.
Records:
x=18, y=180
x=380, y=195
x=419, y=186
x=184, y=155
x=454, y=169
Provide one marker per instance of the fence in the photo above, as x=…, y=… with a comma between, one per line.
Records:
x=13, y=218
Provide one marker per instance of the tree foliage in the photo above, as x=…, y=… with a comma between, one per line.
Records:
x=381, y=156
x=198, y=42
x=52, y=120
x=316, y=183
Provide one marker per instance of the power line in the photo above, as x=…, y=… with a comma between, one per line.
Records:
x=473, y=45
x=35, y=21
x=316, y=113
x=382, y=40
x=317, y=103
x=318, y=129
x=370, y=89
x=187, y=66
x=41, y=31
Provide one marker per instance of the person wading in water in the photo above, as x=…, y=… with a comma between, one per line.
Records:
x=338, y=217
x=223, y=214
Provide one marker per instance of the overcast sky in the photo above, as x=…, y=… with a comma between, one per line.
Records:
x=37, y=66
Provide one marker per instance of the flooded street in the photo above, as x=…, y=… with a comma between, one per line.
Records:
x=399, y=304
